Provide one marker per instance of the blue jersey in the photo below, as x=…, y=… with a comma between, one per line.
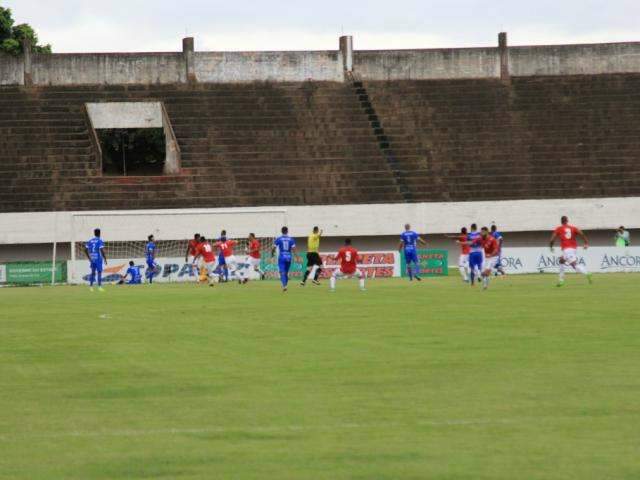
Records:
x=409, y=240
x=475, y=243
x=150, y=250
x=285, y=245
x=134, y=274
x=94, y=247
x=498, y=237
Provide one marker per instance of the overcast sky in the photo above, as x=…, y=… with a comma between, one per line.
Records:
x=159, y=25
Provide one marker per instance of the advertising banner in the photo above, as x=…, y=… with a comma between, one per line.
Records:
x=433, y=263
x=26, y=273
x=381, y=264
x=170, y=269
x=596, y=259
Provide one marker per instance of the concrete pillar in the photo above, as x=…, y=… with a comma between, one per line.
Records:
x=26, y=52
x=346, y=49
x=188, y=52
x=505, y=75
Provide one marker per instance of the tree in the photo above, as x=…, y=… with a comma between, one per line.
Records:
x=12, y=36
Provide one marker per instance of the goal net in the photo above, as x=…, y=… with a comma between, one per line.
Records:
x=125, y=235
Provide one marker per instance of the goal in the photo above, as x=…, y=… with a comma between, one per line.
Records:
x=125, y=236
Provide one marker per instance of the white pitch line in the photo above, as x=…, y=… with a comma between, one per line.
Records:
x=256, y=429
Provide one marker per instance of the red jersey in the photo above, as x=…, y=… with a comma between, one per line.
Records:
x=206, y=250
x=491, y=246
x=464, y=247
x=254, y=248
x=568, y=236
x=193, y=247
x=226, y=247
x=348, y=257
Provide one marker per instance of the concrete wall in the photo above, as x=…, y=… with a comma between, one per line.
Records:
x=427, y=64
x=337, y=220
x=575, y=59
x=11, y=70
x=151, y=68
x=216, y=67
x=125, y=114
x=108, y=68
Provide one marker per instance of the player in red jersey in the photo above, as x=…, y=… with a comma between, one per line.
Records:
x=568, y=235
x=254, y=255
x=348, y=257
x=225, y=246
x=491, y=249
x=207, y=252
x=192, y=250
x=463, y=260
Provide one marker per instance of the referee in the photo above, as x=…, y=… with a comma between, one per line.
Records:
x=314, y=262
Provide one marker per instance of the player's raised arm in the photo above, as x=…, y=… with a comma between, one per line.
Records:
x=584, y=238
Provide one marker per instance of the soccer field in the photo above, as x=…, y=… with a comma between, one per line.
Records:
x=428, y=380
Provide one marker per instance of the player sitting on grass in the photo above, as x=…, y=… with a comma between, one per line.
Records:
x=491, y=255
x=568, y=234
x=133, y=272
x=94, y=250
x=153, y=268
x=286, y=246
x=348, y=257
x=409, y=243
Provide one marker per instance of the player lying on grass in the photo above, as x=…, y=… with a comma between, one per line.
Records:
x=348, y=257
x=491, y=255
x=94, y=250
x=286, y=247
x=207, y=252
x=409, y=241
x=133, y=272
x=568, y=235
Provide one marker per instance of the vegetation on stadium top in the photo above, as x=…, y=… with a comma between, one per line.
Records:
x=12, y=36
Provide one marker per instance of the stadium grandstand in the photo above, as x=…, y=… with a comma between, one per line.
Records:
x=365, y=139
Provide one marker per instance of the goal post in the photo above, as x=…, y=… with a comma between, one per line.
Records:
x=125, y=236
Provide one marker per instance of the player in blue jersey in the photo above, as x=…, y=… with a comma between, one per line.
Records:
x=94, y=250
x=133, y=272
x=150, y=255
x=500, y=239
x=409, y=241
x=223, y=268
x=476, y=254
x=286, y=247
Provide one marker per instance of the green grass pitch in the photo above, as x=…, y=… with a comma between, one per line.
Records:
x=403, y=381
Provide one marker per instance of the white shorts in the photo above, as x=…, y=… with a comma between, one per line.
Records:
x=463, y=261
x=337, y=273
x=211, y=267
x=253, y=262
x=231, y=261
x=570, y=255
x=490, y=263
